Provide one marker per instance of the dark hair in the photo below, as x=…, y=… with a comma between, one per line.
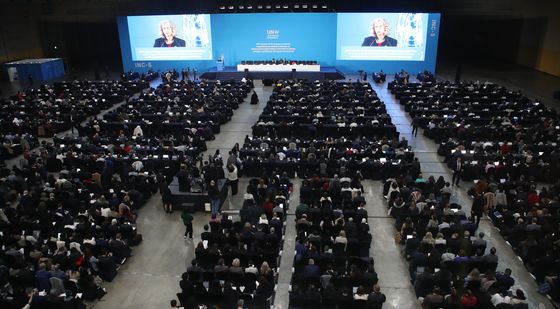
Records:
x=173, y=303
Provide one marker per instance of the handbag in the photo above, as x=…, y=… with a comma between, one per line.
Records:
x=544, y=288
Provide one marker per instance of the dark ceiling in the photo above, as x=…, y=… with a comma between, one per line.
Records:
x=98, y=10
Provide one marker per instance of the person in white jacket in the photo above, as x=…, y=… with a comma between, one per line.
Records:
x=233, y=180
x=138, y=131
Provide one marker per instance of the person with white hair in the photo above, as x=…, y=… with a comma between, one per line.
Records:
x=380, y=34
x=168, y=32
x=138, y=131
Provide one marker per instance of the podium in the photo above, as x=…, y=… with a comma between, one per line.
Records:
x=220, y=65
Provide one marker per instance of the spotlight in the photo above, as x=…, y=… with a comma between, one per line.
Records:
x=314, y=6
x=277, y=6
x=231, y=8
x=222, y=8
x=268, y=7
x=259, y=7
x=241, y=7
x=324, y=7
x=304, y=6
x=285, y=6
x=249, y=7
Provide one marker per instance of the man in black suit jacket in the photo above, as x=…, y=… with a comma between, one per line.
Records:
x=457, y=171
x=411, y=244
x=376, y=298
x=311, y=270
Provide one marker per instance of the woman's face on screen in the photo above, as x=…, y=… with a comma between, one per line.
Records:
x=379, y=28
x=167, y=30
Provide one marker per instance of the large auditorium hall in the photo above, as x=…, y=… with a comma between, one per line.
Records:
x=246, y=154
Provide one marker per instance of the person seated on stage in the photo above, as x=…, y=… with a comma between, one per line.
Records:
x=379, y=77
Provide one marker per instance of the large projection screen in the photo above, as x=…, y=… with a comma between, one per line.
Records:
x=170, y=37
x=381, y=36
x=347, y=41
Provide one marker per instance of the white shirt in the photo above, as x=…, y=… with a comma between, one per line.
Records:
x=447, y=256
x=105, y=212
x=499, y=299
x=138, y=131
x=361, y=297
x=232, y=176
x=444, y=225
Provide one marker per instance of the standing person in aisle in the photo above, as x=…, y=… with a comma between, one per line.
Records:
x=214, y=194
x=232, y=178
x=415, y=124
x=457, y=172
x=187, y=221
x=167, y=200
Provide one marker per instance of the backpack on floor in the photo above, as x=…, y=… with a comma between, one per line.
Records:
x=136, y=240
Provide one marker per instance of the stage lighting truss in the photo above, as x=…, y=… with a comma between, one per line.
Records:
x=280, y=7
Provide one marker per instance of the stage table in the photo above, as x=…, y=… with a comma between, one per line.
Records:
x=198, y=199
x=279, y=67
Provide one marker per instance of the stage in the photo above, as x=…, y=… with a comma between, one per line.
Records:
x=230, y=72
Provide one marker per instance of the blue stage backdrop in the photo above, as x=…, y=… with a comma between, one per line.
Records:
x=347, y=41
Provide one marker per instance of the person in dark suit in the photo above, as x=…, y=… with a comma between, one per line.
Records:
x=505, y=279
x=457, y=171
x=411, y=244
x=376, y=298
x=311, y=270
x=380, y=28
x=254, y=98
x=168, y=32
x=477, y=208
